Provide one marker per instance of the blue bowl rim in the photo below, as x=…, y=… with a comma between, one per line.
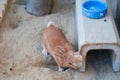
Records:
x=101, y=2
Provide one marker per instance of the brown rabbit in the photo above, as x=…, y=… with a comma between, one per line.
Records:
x=56, y=44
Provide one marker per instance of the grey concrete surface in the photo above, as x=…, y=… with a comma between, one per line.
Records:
x=97, y=34
x=20, y=49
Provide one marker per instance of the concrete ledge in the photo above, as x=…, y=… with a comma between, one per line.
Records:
x=96, y=34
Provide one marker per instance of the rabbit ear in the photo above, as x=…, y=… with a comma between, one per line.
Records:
x=61, y=50
x=60, y=53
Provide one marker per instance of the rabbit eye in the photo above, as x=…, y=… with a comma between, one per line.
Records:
x=70, y=63
x=73, y=54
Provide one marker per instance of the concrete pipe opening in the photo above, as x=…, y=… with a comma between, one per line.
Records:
x=100, y=59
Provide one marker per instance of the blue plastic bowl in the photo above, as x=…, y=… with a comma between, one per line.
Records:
x=94, y=9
